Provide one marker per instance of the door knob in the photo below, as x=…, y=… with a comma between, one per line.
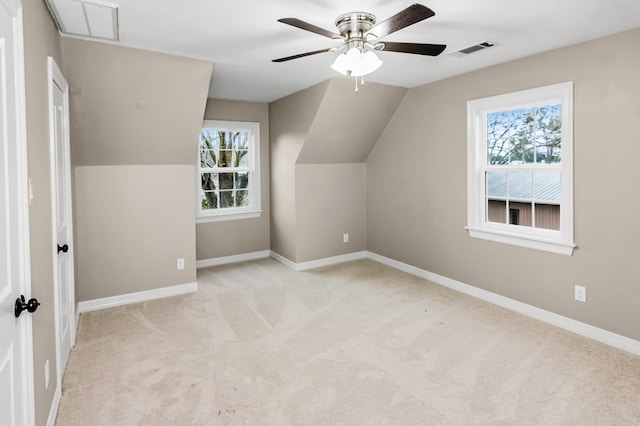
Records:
x=64, y=248
x=29, y=306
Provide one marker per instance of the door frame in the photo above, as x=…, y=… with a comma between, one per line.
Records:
x=55, y=77
x=22, y=185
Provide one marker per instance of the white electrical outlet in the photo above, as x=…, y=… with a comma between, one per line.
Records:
x=345, y=238
x=580, y=293
x=46, y=374
x=180, y=264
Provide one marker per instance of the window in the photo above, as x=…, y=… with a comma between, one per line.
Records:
x=228, y=175
x=520, y=168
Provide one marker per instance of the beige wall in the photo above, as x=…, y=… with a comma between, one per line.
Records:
x=133, y=223
x=347, y=124
x=330, y=202
x=290, y=119
x=416, y=212
x=130, y=106
x=131, y=109
x=41, y=40
x=320, y=138
x=228, y=238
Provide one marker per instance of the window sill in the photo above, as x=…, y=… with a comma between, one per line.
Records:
x=552, y=246
x=229, y=216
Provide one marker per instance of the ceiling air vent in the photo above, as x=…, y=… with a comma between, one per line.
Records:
x=86, y=18
x=474, y=48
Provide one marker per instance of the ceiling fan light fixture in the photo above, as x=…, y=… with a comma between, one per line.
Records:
x=370, y=61
x=356, y=62
x=359, y=33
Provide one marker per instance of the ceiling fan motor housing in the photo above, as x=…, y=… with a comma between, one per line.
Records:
x=355, y=24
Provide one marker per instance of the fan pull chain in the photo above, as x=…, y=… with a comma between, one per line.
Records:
x=361, y=83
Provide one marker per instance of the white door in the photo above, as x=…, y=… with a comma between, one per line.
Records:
x=16, y=387
x=61, y=207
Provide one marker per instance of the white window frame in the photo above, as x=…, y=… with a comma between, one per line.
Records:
x=560, y=241
x=253, y=210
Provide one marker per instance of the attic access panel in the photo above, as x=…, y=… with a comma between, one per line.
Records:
x=86, y=18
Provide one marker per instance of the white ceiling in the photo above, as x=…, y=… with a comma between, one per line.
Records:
x=241, y=37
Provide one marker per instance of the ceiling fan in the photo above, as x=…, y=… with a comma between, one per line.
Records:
x=361, y=36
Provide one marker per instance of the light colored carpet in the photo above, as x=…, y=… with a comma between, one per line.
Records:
x=353, y=344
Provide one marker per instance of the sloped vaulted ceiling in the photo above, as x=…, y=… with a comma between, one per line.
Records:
x=347, y=124
x=131, y=106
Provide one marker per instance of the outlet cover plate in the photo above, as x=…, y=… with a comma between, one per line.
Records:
x=580, y=293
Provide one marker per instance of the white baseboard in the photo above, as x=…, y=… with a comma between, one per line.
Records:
x=586, y=330
x=205, y=263
x=328, y=261
x=286, y=262
x=141, y=296
x=55, y=405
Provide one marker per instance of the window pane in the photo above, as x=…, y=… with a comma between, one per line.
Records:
x=225, y=139
x=242, y=198
x=496, y=211
x=548, y=216
x=241, y=158
x=514, y=216
x=209, y=200
x=242, y=180
x=548, y=149
x=208, y=158
x=225, y=158
x=498, y=138
x=547, y=186
x=226, y=199
x=226, y=180
x=520, y=185
x=520, y=214
x=241, y=140
x=522, y=136
x=208, y=181
x=209, y=139
x=548, y=133
x=496, y=184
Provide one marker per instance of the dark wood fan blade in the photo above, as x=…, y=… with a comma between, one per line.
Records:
x=294, y=22
x=415, y=48
x=302, y=55
x=409, y=16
